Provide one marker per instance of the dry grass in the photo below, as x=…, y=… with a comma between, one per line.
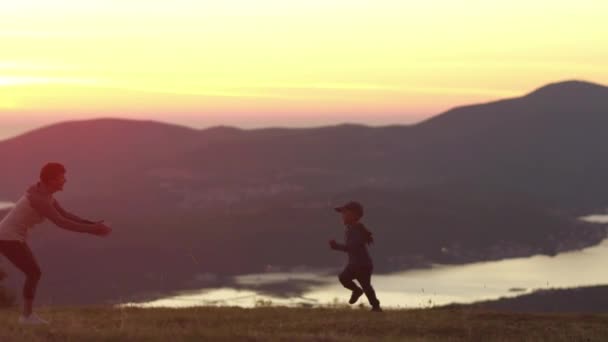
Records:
x=283, y=324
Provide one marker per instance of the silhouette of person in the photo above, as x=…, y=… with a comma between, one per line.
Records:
x=36, y=205
x=360, y=266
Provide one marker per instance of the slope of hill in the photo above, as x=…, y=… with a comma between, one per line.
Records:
x=548, y=144
x=591, y=299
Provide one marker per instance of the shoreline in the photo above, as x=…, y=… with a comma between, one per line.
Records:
x=296, y=284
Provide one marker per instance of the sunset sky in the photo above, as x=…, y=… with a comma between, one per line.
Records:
x=253, y=63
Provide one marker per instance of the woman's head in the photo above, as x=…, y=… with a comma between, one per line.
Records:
x=53, y=176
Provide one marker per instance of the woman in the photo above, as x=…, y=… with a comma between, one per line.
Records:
x=36, y=205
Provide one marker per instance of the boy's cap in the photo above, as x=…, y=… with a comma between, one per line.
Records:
x=353, y=206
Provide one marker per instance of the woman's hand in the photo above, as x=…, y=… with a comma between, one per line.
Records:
x=100, y=229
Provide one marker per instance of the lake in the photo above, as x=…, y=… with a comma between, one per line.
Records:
x=438, y=285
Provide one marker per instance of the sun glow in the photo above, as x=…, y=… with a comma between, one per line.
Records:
x=230, y=61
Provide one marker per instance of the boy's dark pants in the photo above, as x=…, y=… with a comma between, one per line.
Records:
x=363, y=274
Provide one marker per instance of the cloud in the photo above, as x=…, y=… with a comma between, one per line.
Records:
x=33, y=80
x=42, y=34
x=25, y=66
x=397, y=89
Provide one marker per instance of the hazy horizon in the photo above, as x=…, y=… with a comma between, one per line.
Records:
x=11, y=126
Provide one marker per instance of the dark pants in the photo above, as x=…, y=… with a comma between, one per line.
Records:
x=363, y=274
x=21, y=256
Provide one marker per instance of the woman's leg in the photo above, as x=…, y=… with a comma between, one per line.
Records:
x=33, y=274
x=20, y=254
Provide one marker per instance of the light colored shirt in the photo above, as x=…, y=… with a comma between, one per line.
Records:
x=37, y=205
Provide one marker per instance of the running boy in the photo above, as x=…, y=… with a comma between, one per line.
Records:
x=360, y=266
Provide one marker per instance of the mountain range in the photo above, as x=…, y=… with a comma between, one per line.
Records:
x=487, y=181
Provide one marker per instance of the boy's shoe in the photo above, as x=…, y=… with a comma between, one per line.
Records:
x=32, y=319
x=354, y=297
x=376, y=309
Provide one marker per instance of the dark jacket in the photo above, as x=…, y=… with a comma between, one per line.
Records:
x=357, y=238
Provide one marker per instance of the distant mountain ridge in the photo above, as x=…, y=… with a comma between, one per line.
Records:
x=489, y=181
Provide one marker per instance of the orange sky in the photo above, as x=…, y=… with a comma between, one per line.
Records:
x=270, y=62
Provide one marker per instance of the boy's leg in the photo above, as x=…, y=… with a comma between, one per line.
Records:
x=365, y=279
x=346, y=279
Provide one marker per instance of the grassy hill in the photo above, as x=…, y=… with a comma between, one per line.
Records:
x=283, y=324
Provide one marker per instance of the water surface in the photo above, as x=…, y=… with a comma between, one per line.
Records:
x=438, y=285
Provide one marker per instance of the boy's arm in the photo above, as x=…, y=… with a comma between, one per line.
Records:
x=338, y=246
x=354, y=241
